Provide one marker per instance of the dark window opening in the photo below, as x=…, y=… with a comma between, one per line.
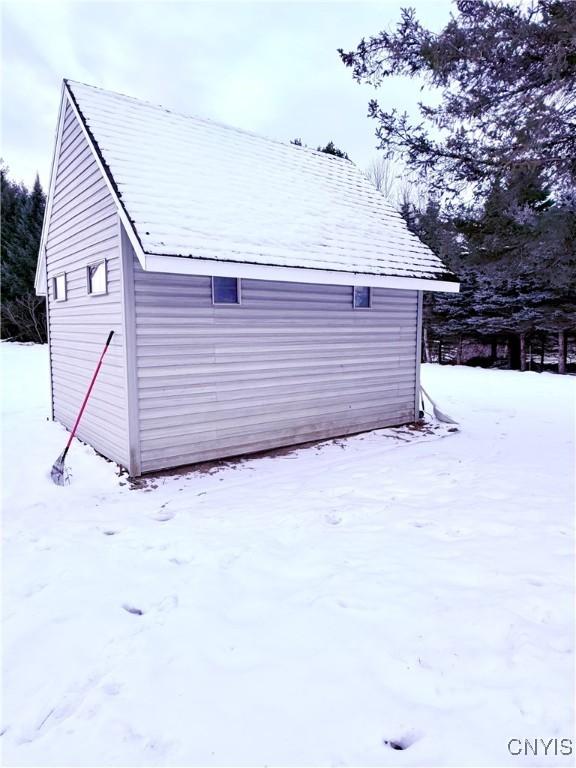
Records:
x=225, y=290
x=362, y=297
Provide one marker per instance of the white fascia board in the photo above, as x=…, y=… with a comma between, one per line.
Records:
x=40, y=286
x=128, y=226
x=40, y=277
x=179, y=265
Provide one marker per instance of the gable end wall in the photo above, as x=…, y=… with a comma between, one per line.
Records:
x=83, y=228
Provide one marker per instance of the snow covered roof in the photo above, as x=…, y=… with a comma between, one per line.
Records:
x=195, y=189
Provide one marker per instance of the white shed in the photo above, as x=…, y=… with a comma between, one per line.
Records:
x=261, y=294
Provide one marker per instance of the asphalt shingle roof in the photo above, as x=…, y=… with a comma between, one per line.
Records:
x=196, y=188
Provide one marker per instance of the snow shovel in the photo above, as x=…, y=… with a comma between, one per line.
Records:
x=438, y=414
x=59, y=473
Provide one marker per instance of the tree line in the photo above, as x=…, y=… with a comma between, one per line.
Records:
x=23, y=314
x=516, y=260
x=495, y=153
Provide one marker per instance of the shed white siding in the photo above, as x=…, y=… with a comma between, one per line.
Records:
x=292, y=363
x=83, y=228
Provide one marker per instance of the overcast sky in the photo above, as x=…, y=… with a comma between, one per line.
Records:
x=269, y=67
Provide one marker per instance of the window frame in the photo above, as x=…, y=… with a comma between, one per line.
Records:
x=238, y=292
x=89, y=280
x=55, y=293
x=357, y=306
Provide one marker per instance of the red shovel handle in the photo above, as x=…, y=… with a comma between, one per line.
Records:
x=87, y=395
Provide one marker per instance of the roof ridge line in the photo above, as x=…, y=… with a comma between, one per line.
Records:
x=212, y=121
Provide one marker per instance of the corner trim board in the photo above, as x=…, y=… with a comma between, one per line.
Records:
x=47, y=299
x=129, y=326
x=418, y=356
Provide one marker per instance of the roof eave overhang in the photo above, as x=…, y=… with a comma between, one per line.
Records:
x=181, y=265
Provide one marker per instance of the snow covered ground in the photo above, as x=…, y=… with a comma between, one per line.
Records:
x=306, y=609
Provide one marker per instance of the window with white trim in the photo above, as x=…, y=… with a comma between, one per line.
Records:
x=97, y=278
x=225, y=290
x=59, y=287
x=362, y=297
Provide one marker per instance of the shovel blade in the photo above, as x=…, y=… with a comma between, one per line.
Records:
x=442, y=416
x=59, y=473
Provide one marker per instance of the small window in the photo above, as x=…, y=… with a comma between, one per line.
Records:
x=59, y=287
x=225, y=290
x=362, y=297
x=97, y=278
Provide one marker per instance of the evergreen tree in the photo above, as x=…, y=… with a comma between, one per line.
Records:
x=22, y=213
x=524, y=242
x=507, y=77
x=329, y=149
x=14, y=198
x=516, y=259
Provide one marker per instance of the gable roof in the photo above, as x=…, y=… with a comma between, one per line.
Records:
x=207, y=195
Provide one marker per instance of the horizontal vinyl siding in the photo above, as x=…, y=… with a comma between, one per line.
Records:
x=291, y=363
x=84, y=228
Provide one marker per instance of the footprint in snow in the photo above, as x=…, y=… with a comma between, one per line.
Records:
x=163, y=515
x=132, y=609
x=403, y=742
x=112, y=689
x=34, y=589
x=168, y=603
x=393, y=744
